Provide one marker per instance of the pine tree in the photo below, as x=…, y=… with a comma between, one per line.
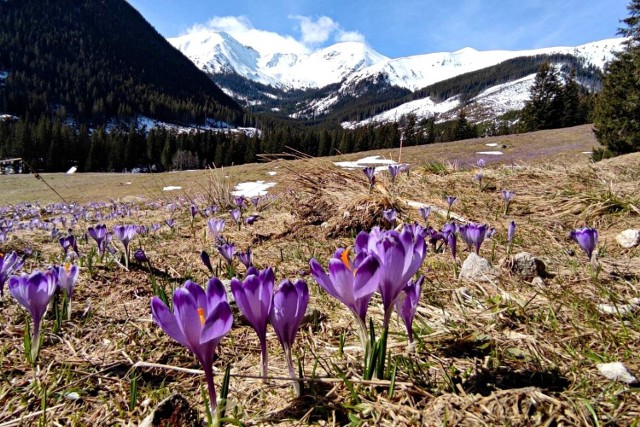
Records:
x=544, y=109
x=617, y=116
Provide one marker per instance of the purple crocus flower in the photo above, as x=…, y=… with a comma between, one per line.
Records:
x=227, y=250
x=401, y=255
x=254, y=297
x=450, y=200
x=352, y=282
x=170, y=222
x=289, y=305
x=474, y=235
x=478, y=177
x=140, y=256
x=246, y=258
x=407, y=304
x=424, y=212
x=9, y=264
x=99, y=234
x=390, y=216
x=507, y=195
x=206, y=260
x=370, y=173
x=34, y=292
x=215, y=225
x=236, y=214
x=199, y=321
x=125, y=233
x=393, y=172
x=67, y=242
x=480, y=163
x=193, y=210
x=239, y=201
x=142, y=230
x=66, y=276
x=511, y=231
x=155, y=227
x=255, y=201
x=587, y=238
x=250, y=219
x=452, y=242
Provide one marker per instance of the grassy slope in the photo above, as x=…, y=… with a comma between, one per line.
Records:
x=512, y=353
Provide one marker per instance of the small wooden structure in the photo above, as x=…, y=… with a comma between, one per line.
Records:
x=11, y=166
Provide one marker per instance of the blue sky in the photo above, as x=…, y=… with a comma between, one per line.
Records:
x=395, y=28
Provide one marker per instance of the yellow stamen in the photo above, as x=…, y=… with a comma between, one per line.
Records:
x=201, y=315
x=67, y=267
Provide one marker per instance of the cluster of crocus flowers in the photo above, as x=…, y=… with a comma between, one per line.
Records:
x=384, y=261
x=284, y=309
x=34, y=292
x=199, y=321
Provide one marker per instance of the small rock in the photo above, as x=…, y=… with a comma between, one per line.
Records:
x=616, y=371
x=477, y=269
x=525, y=265
x=173, y=411
x=628, y=238
x=538, y=282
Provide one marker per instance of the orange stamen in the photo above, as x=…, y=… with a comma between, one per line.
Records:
x=201, y=315
x=67, y=267
x=344, y=257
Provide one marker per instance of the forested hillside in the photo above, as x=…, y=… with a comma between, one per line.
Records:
x=94, y=60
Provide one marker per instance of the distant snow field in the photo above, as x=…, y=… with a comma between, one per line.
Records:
x=171, y=188
x=252, y=189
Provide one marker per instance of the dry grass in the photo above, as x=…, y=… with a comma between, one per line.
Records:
x=505, y=352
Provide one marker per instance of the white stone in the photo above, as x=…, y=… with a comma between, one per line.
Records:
x=477, y=269
x=628, y=238
x=616, y=371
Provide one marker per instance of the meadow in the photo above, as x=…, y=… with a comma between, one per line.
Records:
x=511, y=346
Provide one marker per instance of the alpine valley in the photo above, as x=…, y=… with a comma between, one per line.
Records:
x=352, y=85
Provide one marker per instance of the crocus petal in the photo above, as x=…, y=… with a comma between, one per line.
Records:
x=215, y=292
x=366, y=278
x=166, y=320
x=188, y=318
x=342, y=278
x=198, y=295
x=217, y=324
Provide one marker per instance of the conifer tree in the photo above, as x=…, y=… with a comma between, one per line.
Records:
x=544, y=109
x=617, y=116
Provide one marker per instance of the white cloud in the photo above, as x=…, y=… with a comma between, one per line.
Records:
x=241, y=28
x=314, y=32
x=350, y=36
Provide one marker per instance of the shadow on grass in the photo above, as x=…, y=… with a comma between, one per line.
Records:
x=486, y=381
x=314, y=406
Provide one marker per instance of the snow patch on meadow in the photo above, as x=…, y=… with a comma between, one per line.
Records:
x=490, y=153
x=252, y=189
x=365, y=162
x=171, y=188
